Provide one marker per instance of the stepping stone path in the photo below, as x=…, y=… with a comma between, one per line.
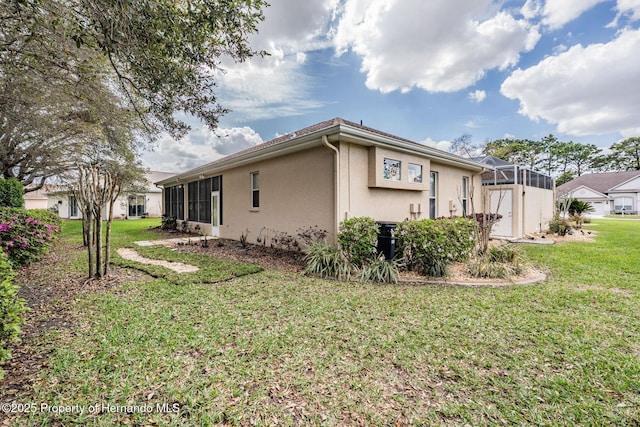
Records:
x=179, y=267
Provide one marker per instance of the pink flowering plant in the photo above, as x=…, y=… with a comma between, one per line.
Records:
x=26, y=235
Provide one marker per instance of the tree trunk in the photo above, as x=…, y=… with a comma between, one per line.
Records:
x=98, y=220
x=107, y=238
x=89, y=217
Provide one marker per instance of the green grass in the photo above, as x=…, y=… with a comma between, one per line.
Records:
x=210, y=270
x=277, y=347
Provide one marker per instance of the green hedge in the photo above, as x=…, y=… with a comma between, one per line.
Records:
x=358, y=239
x=26, y=235
x=429, y=246
x=11, y=193
x=11, y=308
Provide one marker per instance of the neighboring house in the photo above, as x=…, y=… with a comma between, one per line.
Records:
x=36, y=199
x=524, y=198
x=131, y=204
x=608, y=193
x=319, y=176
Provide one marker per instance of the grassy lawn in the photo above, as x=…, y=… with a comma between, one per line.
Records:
x=277, y=348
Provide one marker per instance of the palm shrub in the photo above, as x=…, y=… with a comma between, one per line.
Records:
x=577, y=209
x=380, y=270
x=358, y=239
x=501, y=261
x=11, y=308
x=326, y=260
x=429, y=246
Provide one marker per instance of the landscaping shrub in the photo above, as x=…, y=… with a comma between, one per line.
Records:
x=380, y=270
x=558, y=225
x=499, y=262
x=309, y=235
x=358, y=239
x=169, y=223
x=11, y=193
x=11, y=308
x=326, y=260
x=430, y=245
x=284, y=241
x=26, y=235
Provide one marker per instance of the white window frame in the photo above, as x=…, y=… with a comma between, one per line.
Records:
x=255, y=190
x=465, y=195
x=433, y=195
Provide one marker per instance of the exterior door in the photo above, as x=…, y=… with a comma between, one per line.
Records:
x=215, y=213
x=504, y=227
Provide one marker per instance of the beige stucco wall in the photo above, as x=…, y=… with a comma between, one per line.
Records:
x=359, y=196
x=296, y=191
x=530, y=211
x=538, y=209
x=35, y=203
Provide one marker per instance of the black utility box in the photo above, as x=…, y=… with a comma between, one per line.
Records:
x=386, y=239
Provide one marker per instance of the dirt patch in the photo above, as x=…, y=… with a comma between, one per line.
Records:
x=458, y=275
x=265, y=256
x=178, y=267
x=579, y=235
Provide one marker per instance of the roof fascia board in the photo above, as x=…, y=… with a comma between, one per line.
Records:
x=412, y=148
x=335, y=133
x=291, y=146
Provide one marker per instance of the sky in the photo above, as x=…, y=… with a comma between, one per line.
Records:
x=430, y=71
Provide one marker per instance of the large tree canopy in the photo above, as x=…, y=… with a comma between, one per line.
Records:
x=163, y=52
x=73, y=71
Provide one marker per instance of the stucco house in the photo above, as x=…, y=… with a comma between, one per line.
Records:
x=36, y=199
x=133, y=203
x=525, y=198
x=608, y=193
x=319, y=176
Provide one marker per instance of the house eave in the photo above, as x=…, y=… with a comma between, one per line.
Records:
x=335, y=133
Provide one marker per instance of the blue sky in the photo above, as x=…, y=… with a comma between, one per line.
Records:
x=429, y=71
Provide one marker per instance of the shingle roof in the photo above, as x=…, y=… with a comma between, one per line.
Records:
x=318, y=127
x=601, y=182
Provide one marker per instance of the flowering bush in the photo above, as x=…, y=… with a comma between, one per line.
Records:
x=358, y=239
x=430, y=245
x=26, y=235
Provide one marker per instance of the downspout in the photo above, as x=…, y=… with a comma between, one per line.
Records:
x=336, y=191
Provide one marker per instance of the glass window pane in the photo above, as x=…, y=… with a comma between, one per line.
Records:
x=415, y=173
x=392, y=169
x=256, y=199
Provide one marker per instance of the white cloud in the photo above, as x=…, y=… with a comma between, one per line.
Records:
x=438, y=46
x=585, y=90
x=443, y=145
x=198, y=147
x=276, y=85
x=478, y=96
x=626, y=8
x=556, y=13
x=262, y=88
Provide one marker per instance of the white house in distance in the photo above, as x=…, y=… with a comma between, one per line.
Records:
x=608, y=193
x=130, y=205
